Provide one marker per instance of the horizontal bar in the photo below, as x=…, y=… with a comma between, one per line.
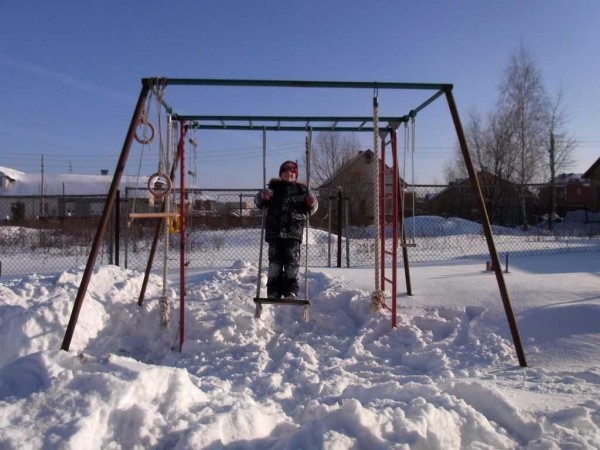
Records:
x=157, y=215
x=296, y=83
x=279, y=128
x=288, y=118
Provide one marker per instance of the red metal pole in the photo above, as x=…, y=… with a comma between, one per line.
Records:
x=394, y=225
x=182, y=214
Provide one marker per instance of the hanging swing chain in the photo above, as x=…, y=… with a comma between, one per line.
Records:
x=308, y=159
x=403, y=189
x=413, y=123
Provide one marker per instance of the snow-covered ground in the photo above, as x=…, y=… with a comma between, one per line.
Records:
x=436, y=239
x=446, y=378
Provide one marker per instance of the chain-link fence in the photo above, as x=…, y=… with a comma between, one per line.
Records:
x=223, y=226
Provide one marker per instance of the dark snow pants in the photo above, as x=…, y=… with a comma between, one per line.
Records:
x=284, y=266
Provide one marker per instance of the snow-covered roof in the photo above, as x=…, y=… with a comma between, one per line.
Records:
x=73, y=184
x=65, y=184
x=11, y=173
x=566, y=178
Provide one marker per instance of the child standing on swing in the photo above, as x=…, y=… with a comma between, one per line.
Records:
x=289, y=205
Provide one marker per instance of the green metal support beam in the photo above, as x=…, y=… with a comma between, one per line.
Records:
x=296, y=83
x=285, y=123
x=259, y=127
x=285, y=118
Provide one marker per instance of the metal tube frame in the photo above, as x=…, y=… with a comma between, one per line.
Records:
x=440, y=88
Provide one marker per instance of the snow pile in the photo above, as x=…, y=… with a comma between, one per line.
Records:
x=446, y=378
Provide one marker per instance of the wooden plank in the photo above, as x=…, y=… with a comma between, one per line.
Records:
x=156, y=215
x=281, y=301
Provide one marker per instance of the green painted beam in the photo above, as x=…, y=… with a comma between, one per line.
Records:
x=375, y=85
x=221, y=118
x=197, y=126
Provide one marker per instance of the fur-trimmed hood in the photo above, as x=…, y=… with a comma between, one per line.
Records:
x=276, y=180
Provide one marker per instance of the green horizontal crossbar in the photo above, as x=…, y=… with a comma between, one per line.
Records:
x=197, y=126
x=221, y=118
x=295, y=83
x=281, y=123
x=287, y=123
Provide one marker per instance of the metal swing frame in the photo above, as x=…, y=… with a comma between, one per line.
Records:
x=288, y=123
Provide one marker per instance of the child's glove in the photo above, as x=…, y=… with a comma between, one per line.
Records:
x=266, y=194
x=309, y=201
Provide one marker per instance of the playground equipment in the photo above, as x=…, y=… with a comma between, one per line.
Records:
x=300, y=123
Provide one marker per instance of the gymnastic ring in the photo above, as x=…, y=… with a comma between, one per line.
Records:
x=174, y=224
x=159, y=192
x=144, y=123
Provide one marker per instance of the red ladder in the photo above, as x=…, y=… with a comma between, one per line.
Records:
x=384, y=194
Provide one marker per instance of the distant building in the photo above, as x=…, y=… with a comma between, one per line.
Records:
x=26, y=196
x=355, y=178
x=573, y=191
x=593, y=175
x=502, y=200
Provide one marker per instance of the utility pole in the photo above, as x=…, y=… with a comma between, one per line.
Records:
x=552, y=183
x=42, y=189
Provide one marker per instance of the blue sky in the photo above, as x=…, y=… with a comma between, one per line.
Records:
x=70, y=73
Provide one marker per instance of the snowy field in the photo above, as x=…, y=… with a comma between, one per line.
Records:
x=446, y=378
x=435, y=239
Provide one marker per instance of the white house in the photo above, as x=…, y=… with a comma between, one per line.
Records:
x=27, y=196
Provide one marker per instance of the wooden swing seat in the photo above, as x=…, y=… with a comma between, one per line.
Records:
x=280, y=301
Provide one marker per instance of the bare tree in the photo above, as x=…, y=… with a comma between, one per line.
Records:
x=514, y=141
x=331, y=150
x=489, y=145
x=560, y=149
x=564, y=142
x=523, y=98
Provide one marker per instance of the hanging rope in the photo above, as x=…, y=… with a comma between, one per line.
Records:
x=145, y=143
x=159, y=183
x=377, y=295
x=165, y=304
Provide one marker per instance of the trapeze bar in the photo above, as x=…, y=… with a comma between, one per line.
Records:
x=157, y=215
x=297, y=83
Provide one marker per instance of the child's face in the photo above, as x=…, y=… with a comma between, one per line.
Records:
x=288, y=175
